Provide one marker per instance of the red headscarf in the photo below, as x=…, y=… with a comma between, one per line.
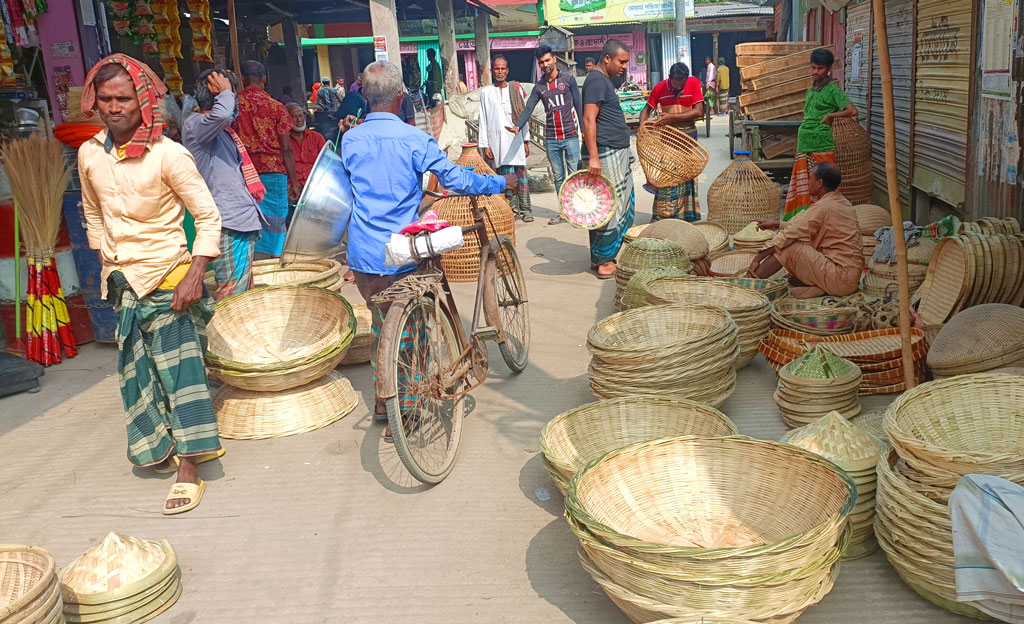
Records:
x=148, y=87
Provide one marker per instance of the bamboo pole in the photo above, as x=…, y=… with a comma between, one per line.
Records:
x=233, y=32
x=17, y=275
x=892, y=183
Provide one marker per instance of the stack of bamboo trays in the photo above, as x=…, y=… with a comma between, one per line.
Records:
x=715, y=234
x=871, y=218
x=711, y=527
x=29, y=590
x=857, y=452
x=816, y=383
x=749, y=309
x=361, y=348
x=881, y=279
x=677, y=351
x=647, y=253
x=687, y=236
x=573, y=439
x=775, y=79
x=941, y=431
x=751, y=237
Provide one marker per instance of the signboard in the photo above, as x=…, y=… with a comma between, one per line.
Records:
x=589, y=12
x=997, y=52
x=380, y=48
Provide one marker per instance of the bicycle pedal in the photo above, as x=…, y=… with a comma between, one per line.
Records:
x=486, y=333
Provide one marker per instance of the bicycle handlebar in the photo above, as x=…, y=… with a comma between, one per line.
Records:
x=447, y=194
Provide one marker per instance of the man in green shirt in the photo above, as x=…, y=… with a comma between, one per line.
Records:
x=825, y=102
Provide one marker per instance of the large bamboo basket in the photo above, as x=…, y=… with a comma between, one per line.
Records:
x=29, y=590
x=633, y=295
x=471, y=157
x=574, y=438
x=684, y=234
x=324, y=273
x=978, y=339
x=853, y=157
x=668, y=155
x=647, y=253
x=749, y=309
x=741, y=194
x=463, y=264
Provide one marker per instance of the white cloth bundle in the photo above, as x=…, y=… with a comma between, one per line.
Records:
x=398, y=252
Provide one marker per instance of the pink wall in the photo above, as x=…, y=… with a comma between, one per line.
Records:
x=637, y=42
x=62, y=53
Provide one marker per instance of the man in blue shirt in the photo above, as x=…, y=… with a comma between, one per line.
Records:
x=386, y=159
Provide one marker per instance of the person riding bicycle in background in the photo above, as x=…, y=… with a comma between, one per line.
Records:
x=386, y=159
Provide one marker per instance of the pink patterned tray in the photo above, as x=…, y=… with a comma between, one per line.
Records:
x=587, y=202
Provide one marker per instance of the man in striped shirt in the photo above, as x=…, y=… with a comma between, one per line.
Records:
x=564, y=107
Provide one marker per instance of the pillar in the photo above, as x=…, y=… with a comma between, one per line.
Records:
x=323, y=62
x=483, y=48
x=714, y=57
x=293, y=58
x=384, y=19
x=446, y=38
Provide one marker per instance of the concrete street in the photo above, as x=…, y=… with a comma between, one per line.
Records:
x=328, y=527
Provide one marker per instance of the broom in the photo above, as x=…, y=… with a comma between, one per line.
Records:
x=39, y=175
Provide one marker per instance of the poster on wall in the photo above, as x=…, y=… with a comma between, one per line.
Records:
x=997, y=52
x=857, y=58
x=583, y=12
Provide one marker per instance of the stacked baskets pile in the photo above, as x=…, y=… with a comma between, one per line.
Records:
x=713, y=527
x=773, y=288
x=980, y=339
x=814, y=316
x=747, y=308
x=29, y=590
x=731, y=263
x=687, y=236
x=121, y=579
x=276, y=348
x=857, y=452
x=633, y=295
x=941, y=431
x=676, y=351
x=668, y=155
x=360, y=350
x=573, y=439
x=633, y=233
x=715, y=234
x=881, y=279
x=815, y=384
x=871, y=218
x=741, y=194
x=647, y=253
x=751, y=237
x=324, y=273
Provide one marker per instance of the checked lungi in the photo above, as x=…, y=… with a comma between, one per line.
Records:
x=798, y=197
x=232, y=269
x=275, y=208
x=616, y=165
x=678, y=202
x=160, y=368
x=518, y=196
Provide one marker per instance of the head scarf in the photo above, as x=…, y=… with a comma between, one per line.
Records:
x=150, y=90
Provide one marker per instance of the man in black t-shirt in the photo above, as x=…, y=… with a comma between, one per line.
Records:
x=606, y=152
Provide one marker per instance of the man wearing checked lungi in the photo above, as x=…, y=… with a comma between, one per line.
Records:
x=136, y=186
x=606, y=151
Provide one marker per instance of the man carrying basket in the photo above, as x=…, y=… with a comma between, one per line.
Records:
x=681, y=103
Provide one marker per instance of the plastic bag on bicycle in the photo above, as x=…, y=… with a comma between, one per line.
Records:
x=430, y=222
x=403, y=250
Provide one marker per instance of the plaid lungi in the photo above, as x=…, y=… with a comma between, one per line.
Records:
x=798, y=198
x=616, y=165
x=519, y=196
x=677, y=202
x=232, y=269
x=160, y=368
x=275, y=208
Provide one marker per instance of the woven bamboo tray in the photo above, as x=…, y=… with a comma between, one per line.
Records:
x=647, y=253
x=361, y=348
x=731, y=264
x=749, y=310
x=574, y=438
x=684, y=234
x=871, y=218
x=247, y=415
x=668, y=155
x=978, y=339
x=633, y=233
x=28, y=584
x=741, y=194
x=771, y=288
x=947, y=281
x=803, y=316
x=715, y=234
x=633, y=295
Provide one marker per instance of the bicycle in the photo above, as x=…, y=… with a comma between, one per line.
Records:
x=426, y=361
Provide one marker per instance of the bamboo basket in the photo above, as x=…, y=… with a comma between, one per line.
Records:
x=805, y=316
x=361, y=349
x=633, y=233
x=771, y=288
x=29, y=590
x=684, y=234
x=750, y=310
x=471, y=157
x=871, y=218
x=804, y=399
x=668, y=155
x=853, y=157
x=977, y=340
x=647, y=253
x=741, y=194
x=731, y=264
x=324, y=273
x=463, y=264
x=573, y=439
x=715, y=234
x=633, y=295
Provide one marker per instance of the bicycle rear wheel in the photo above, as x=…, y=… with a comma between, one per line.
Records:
x=425, y=427
x=512, y=304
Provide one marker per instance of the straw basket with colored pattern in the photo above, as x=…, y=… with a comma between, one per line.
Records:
x=573, y=439
x=668, y=155
x=771, y=288
x=676, y=351
x=750, y=310
x=29, y=590
x=647, y=253
x=813, y=318
x=463, y=264
x=278, y=337
x=741, y=194
x=727, y=527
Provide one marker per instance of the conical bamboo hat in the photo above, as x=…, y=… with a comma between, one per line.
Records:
x=839, y=441
x=118, y=567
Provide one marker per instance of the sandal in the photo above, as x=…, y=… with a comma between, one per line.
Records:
x=601, y=275
x=555, y=220
x=192, y=491
x=527, y=219
x=172, y=461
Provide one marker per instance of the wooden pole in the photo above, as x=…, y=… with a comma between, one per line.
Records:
x=892, y=183
x=446, y=39
x=233, y=32
x=483, y=48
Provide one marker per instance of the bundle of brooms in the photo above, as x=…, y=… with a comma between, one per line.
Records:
x=39, y=175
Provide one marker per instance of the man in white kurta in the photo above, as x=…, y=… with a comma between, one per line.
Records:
x=500, y=104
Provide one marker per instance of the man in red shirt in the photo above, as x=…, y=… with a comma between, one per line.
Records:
x=680, y=102
x=263, y=125
x=306, y=144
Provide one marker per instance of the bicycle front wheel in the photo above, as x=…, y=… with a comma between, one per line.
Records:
x=425, y=426
x=512, y=304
